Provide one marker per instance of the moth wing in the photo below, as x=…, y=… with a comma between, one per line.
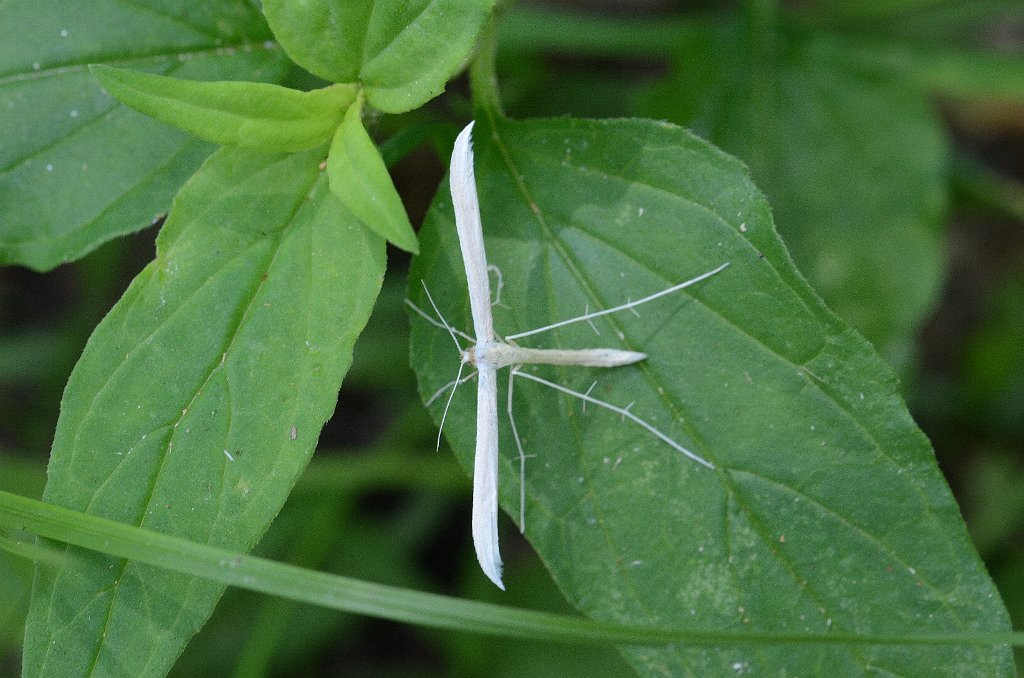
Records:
x=471, y=238
x=485, y=475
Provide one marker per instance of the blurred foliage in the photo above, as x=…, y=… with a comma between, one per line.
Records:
x=960, y=347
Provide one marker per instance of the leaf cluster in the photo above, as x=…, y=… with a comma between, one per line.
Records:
x=280, y=148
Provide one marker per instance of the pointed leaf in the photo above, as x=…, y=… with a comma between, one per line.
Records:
x=199, y=399
x=362, y=183
x=825, y=510
x=252, y=114
x=402, y=52
x=77, y=168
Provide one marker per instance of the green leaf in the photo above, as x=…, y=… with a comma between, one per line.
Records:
x=252, y=114
x=854, y=165
x=402, y=52
x=199, y=400
x=825, y=512
x=76, y=168
x=361, y=181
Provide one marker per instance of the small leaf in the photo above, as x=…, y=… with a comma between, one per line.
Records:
x=199, y=399
x=402, y=51
x=252, y=114
x=361, y=181
x=76, y=168
x=825, y=511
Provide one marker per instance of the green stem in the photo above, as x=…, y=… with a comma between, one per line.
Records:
x=483, y=79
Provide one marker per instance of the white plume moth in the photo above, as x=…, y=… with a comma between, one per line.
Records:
x=489, y=353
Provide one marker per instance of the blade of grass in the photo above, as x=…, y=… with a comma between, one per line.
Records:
x=388, y=602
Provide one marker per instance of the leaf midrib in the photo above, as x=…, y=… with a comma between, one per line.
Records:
x=178, y=57
x=233, y=335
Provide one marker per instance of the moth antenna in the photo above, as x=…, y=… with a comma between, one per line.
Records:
x=444, y=416
x=623, y=411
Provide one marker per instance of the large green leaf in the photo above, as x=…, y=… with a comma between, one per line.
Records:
x=854, y=166
x=199, y=400
x=76, y=168
x=402, y=51
x=253, y=114
x=825, y=511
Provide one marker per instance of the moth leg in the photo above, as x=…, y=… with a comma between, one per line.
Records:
x=522, y=455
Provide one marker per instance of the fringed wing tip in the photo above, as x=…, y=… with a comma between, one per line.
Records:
x=485, y=542
x=493, y=572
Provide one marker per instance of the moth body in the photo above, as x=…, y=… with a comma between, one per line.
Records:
x=498, y=354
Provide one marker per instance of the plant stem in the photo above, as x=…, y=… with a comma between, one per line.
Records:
x=483, y=81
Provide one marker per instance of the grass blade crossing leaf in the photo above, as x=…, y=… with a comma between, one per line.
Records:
x=390, y=602
x=360, y=180
x=76, y=168
x=825, y=512
x=403, y=53
x=199, y=400
x=251, y=114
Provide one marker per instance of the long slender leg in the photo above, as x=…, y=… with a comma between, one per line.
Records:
x=629, y=305
x=522, y=455
x=443, y=323
x=618, y=410
x=444, y=389
x=437, y=323
x=499, y=284
x=588, y=393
